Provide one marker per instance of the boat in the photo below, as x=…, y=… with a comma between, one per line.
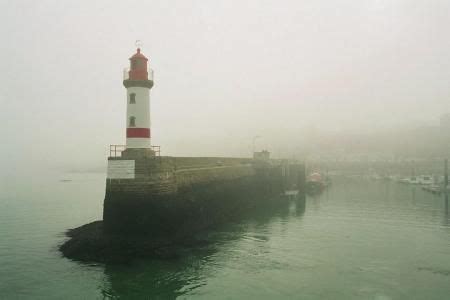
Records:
x=425, y=180
x=409, y=180
x=433, y=188
x=315, y=183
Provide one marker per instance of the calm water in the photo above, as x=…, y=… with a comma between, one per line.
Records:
x=359, y=240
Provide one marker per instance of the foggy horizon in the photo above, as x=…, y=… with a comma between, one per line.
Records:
x=224, y=73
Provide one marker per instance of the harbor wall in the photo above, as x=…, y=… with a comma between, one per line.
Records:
x=180, y=195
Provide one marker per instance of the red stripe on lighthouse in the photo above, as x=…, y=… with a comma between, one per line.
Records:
x=138, y=132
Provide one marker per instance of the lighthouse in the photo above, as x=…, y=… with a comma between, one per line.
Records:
x=138, y=81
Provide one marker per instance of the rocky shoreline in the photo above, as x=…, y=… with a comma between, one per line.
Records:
x=89, y=243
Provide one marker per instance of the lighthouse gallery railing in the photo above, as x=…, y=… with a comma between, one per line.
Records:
x=126, y=75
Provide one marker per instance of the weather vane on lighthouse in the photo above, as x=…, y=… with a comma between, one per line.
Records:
x=138, y=44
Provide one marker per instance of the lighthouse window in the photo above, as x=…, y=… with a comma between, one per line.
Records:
x=132, y=98
x=132, y=121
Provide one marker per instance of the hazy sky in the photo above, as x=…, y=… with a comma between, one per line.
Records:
x=225, y=71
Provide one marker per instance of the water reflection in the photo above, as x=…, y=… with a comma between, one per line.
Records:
x=291, y=250
x=446, y=219
x=160, y=279
x=300, y=205
x=192, y=266
x=446, y=204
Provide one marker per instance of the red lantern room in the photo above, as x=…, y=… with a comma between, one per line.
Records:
x=138, y=66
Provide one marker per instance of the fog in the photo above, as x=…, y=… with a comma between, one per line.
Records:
x=225, y=72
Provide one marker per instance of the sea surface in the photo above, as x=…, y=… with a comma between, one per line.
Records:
x=360, y=239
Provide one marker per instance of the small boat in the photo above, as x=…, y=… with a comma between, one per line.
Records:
x=425, y=180
x=410, y=180
x=315, y=183
x=435, y=189
x=291, y=193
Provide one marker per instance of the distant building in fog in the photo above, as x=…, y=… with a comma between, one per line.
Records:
x=263, y=155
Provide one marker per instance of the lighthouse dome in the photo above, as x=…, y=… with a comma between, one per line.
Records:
x=138, y=55
x=138, y=66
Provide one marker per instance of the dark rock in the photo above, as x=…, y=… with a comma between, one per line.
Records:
x=89, y=243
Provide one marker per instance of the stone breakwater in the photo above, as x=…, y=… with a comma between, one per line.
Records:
x=152, y=202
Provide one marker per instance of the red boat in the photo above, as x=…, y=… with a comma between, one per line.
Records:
x=315, y=183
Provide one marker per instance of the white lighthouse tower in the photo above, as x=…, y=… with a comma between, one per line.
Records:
x=138, y=81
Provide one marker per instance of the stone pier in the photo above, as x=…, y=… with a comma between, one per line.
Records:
x=147, y=194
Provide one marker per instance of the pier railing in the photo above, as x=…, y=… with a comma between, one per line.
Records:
x=157, y=150
x=116, y=150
